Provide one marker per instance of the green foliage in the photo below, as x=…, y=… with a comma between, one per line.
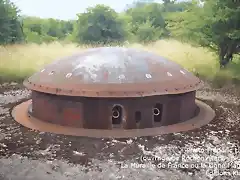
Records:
x=99, y=24
x=215, y=25
x=10, y=26
x=147, y=33
x=220, y=26
x=147, y=23
x=219, y=19
x=39, y=30
x=33, y=37
x=173, y=6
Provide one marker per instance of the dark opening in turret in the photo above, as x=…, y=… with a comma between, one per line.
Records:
x=157, y=113
x=117, y=114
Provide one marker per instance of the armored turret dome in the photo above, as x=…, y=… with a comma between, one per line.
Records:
x=113, y=72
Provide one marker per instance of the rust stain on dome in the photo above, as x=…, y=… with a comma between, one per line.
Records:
x=113, y=72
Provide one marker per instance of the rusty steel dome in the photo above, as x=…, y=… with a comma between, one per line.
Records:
x=113, y=92
x=113, y=72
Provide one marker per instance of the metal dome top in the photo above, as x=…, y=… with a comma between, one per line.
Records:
x=113, y=72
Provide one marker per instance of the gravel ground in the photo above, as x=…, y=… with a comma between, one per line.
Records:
x=210, y=152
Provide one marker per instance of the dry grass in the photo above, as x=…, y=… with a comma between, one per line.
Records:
x=19, y=61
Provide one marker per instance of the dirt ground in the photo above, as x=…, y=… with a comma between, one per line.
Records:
x=210, y=152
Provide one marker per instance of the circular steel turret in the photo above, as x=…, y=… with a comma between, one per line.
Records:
x=113, y=92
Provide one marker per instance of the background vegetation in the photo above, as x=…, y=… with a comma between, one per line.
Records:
x=203, y=36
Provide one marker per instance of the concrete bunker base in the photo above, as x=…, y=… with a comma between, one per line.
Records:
x=21, y=115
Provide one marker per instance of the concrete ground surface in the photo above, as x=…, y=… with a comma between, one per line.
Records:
x=210, y=152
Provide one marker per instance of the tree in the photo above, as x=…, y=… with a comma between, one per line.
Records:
x=186, y=24
x=174, y=6
x=10, y=26
x=33, y=24
x=168, y=1
x=222, y=28
x=66, y=27
x=39, y=30
x=52, y=27
x=99, y=24
x=215, y=24
x=148, y=14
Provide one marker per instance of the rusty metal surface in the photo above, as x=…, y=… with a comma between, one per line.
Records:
x=20, y=114
x=113, y=72
x=78, y=111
